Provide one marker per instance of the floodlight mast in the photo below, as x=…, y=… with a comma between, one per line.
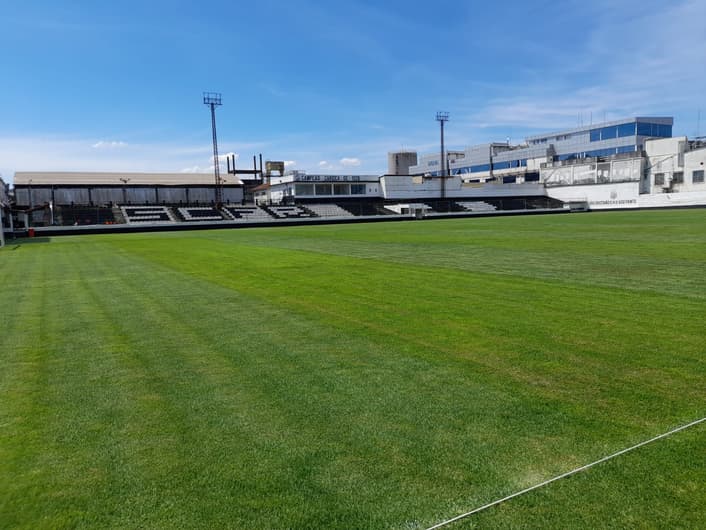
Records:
x=213, y=99
x=443, y=117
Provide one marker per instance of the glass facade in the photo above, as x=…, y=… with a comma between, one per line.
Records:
x=654, y=129
x=495, y=166
x=599, y=152
x=657, y=130
x=326, y=189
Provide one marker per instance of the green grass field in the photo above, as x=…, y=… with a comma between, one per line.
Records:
x=357, y=376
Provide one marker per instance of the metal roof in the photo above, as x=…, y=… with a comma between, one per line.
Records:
x=56, y=178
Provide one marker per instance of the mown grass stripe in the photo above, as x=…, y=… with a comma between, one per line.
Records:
x=307, y=377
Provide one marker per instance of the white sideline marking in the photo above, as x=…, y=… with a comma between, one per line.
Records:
x=564, y=475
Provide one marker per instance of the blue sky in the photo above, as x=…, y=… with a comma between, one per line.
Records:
x=329, y=86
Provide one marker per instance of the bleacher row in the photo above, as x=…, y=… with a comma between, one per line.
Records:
x=258, y=214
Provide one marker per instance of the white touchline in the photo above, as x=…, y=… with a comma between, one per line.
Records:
x=564, y=475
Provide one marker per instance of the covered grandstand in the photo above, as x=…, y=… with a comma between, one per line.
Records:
x=79, y=198
x=5, y=217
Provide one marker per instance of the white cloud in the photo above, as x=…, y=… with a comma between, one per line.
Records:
x=196, y=169
x=657, y=75
x=290, y=163
x=324, y=164
x=350, y=162
x=222, y=157
x=102, y=144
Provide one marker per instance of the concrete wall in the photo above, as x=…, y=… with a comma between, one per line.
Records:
x=671, y=166
x=405, y=187
x=601, y=196
x=399, y=162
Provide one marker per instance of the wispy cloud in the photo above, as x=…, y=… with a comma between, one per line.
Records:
x=102, y=144
x=350, y=162
x=635, y=62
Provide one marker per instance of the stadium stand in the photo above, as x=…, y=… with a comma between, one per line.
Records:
x=147, y=214
x=477, y=206
x=199, y=213
x=328, y=210
x=247, y=213
x=288, y=212
x=83, y=215
x=367, y=208
x=408, y=208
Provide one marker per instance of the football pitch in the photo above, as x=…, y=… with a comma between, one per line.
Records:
x=387, y=375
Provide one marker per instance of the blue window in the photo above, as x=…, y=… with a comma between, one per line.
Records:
x=531, y=177
x=509, y=180
x=609, y=151
x=479, y=168
x=595, y=135
x=608, y=133
x=657, y=130
x=626, y=149
x=501, y=165
x=644, y=129
x=626, y=129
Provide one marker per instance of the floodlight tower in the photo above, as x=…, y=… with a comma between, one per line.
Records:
x=213, y=99
x=443, y=117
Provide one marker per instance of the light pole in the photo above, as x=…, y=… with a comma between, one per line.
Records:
x=443, y=117
x=213, y=100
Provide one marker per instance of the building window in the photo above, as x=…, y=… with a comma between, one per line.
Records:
x=341, y=189
x=659, y=179
x=678, y=177
x=626, y=149
x=357, y=189
x=697, y=177
x=304, y=189
x=323, y=189
x=626, y=129
x=657, y=130
x=608, y=133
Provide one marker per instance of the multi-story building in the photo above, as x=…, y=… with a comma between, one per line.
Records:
x=522, y=163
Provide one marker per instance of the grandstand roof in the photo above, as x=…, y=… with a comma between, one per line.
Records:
x=55, y=178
